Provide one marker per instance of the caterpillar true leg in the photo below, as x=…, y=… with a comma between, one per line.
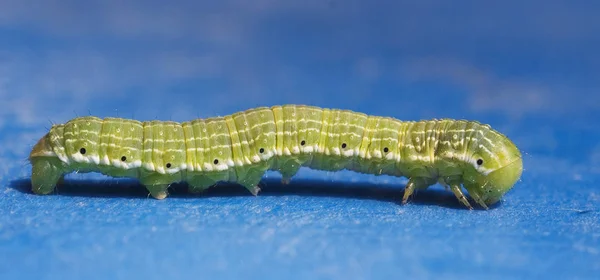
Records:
x=459, y=194
x=478, y=199
x=415, y=184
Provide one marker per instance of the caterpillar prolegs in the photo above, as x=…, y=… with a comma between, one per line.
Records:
x=241, y=147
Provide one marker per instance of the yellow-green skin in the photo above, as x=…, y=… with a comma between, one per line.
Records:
x=243, y=146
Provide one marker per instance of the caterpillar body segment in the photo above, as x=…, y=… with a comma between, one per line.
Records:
x=241, y=147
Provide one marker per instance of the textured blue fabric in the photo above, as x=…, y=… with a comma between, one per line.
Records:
x=337, y=225
x=530, y=69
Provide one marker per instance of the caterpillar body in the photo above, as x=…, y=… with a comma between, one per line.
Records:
x=241, y=147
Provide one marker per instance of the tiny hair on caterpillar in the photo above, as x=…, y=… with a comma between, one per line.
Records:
x=241, y=147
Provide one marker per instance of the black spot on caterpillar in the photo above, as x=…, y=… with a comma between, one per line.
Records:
x=243, y=146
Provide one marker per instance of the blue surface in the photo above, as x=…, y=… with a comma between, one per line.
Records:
x=528, y=69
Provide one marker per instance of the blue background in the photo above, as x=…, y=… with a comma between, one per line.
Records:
x=531, y=69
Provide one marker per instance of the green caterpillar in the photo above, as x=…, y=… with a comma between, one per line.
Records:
x=243, y=146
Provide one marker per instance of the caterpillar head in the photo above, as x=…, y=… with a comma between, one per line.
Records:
x=493, y=169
